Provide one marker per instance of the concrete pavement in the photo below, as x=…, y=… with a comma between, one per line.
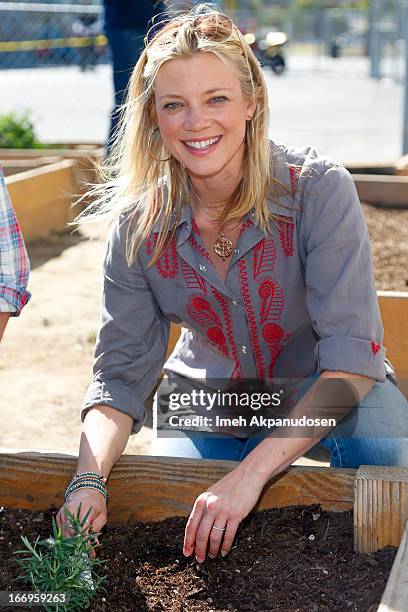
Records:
x=331, y=104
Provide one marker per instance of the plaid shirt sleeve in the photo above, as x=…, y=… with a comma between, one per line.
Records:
x=14, y=263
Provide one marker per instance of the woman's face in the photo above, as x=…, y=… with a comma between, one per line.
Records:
x=201, y=112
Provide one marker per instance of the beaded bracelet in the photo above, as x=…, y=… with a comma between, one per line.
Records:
x=92, y=474
x=90, y=485
x=90, y=480
x=88, y=476
x=87, y=485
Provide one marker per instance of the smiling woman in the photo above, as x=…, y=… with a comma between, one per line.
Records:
x=204, y=128
x=261, y=253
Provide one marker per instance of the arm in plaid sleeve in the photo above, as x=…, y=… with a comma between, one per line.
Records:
x=14, y=263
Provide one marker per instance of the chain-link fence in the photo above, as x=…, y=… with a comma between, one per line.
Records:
x=55, y=66
x=55, y=61
x=35, y=35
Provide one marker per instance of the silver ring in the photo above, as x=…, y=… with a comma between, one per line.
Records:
x=218, y=528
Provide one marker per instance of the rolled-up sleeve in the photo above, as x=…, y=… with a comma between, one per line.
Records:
x=14, y=262
x=341, y=293
x=132, y=340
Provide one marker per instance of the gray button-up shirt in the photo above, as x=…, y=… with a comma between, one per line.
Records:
x=298, y=300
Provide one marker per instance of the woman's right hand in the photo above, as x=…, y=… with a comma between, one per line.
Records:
x=88, y=498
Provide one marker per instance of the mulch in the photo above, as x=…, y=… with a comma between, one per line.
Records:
x=388, y=229
x=290, y=559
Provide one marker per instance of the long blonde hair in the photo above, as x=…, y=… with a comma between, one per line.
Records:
x=133, y=182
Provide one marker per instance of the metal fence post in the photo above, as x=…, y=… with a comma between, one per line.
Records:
x=376, y=37
x=405, y=119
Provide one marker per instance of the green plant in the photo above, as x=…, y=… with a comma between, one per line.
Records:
x=17, y=132
x=63, y=565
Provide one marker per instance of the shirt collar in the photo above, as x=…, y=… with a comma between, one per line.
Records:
x=184, y=223
x=281, y=200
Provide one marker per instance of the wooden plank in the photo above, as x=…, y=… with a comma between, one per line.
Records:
x=383, y=191
x=86, y=158
x=394, y=314
x=175, y=331
x=395, y=598
x=401, y=167
x=380, y=507
x=42, y=198
x=13, y=166
x=373, y=167
x=144, y=488
x=65, y=152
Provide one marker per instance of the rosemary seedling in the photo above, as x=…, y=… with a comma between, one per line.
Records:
x=63, y=565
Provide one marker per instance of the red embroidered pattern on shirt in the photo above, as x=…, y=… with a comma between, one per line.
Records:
x=286, y=229
x=199, y=248
x=294, y=174
x=253, y=327
x=216, y=337
x=275, y=337
x=247, y=223
x=149, y=245
x=201, y=311
x=264, y=255
x=192, y=278
x=272, y=300
x=167, y=264
x=228, y=326
x=375, y=347
x=194, y=227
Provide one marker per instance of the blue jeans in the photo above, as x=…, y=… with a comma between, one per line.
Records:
x=126, y=47
x=375, y=432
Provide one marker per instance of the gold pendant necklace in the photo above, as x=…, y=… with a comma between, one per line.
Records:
x=223, y=246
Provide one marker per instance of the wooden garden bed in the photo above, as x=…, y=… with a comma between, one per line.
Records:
x=43, y=183
x=42, y=198
x=382, y=190
x=381, y=184
x=85, y=156
x=152, y=489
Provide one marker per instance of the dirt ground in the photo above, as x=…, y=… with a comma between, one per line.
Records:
x=46, y=353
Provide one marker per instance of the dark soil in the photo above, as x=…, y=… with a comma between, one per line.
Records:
x=291, y=559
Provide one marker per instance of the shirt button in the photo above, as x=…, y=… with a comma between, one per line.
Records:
x=235, y=302
x=244, y=349
x=202, y=268
x=236, y=251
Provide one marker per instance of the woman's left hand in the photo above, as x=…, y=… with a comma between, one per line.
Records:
x=224, y=505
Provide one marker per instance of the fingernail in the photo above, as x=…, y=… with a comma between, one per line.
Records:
x=199, y=560
x=186, y=553
x=212, y=556
x=223, y=553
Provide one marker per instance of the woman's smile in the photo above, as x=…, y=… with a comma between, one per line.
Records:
x=203, y=146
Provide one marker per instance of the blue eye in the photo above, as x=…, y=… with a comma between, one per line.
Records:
x=171, y=105
x=218, y=99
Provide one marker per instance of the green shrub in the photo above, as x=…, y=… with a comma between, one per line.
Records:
x=63, y=565
x=17, y=132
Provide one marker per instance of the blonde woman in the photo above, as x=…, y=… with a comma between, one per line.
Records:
x=260, y=252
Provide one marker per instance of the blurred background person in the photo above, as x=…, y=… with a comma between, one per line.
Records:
x=14, y=264
x=126, y=23
x=87, y=25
